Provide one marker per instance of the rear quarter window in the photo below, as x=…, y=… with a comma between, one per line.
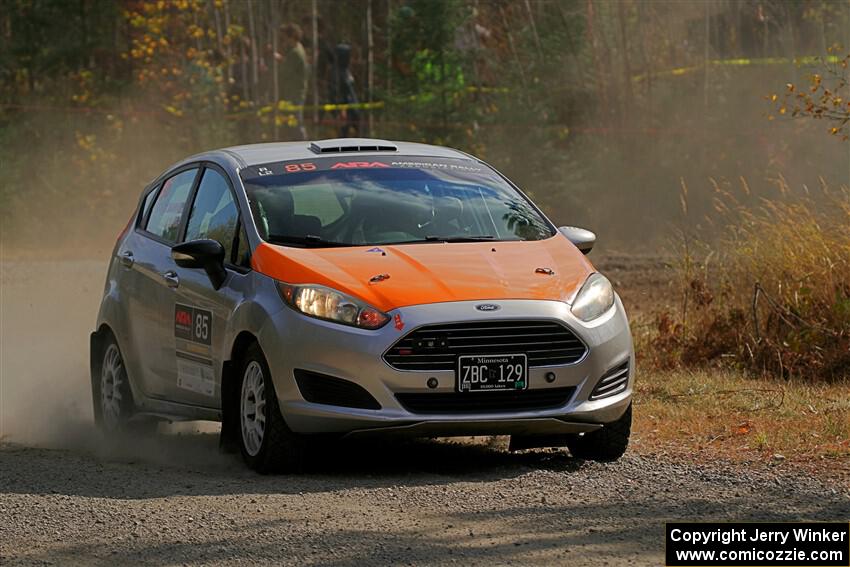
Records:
x=167, y=211
x=146, y=205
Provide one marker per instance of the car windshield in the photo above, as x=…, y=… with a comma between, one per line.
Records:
x=345, y=202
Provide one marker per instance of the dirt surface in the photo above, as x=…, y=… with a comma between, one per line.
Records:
x=414, y=503
x=67, y=497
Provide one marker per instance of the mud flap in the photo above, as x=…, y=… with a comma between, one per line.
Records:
x=229, y=440
x=94, y=366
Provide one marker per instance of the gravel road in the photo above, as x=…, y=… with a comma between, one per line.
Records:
x=66, y=497
x=174, y=499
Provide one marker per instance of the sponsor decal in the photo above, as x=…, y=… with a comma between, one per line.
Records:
x=456, y=165
x=193, y=329
x=357, y=164
x=195, y=374
x=399, y=324
x=193, y=324
x=435, y=165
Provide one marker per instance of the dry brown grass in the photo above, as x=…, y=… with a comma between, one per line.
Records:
x=724, y=414
x=771, y=294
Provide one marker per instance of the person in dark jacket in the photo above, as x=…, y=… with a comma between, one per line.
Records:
x=325, y=64
x=344, y=92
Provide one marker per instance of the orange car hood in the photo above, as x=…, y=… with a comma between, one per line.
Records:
x=433, y=272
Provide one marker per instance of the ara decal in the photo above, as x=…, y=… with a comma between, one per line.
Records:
x=357, y=164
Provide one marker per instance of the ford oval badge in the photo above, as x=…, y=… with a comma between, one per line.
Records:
x=488, y=307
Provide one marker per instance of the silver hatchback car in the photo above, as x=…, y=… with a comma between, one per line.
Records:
x=355, y=287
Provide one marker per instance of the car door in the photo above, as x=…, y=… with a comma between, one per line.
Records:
x=151, y=294
x=201, y=312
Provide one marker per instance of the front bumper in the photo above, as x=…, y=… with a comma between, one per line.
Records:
x=295, y=341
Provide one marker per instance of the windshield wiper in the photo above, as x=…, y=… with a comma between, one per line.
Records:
x=430, y=239
x=307, y=241
x=478, y=238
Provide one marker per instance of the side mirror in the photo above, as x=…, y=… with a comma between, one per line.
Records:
x=203, y=254
x=583, y=239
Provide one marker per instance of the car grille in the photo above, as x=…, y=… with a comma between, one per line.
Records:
x=485, y=402
x=436, y=347
x=320, y=389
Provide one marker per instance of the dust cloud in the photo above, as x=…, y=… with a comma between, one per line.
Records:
x=47, y=310
x=56, y=237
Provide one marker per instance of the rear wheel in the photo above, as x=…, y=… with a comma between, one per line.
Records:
x=267, y=444
x=112, y=396
x=606, y=444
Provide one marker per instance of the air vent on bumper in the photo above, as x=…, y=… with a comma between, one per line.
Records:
x=320, y=389
x=612, y=382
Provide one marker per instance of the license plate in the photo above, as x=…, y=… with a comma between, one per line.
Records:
x=491, y=373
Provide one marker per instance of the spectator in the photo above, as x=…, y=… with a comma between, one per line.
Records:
x=325, y=63
x=344, y=92
x=293, y=76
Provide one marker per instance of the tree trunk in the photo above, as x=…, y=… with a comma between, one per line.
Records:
x=275, y=79
x=370, y=64
x=627, y=66
x=255, y=62
x=314, y=10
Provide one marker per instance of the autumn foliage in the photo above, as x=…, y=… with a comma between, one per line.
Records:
x=826, y=97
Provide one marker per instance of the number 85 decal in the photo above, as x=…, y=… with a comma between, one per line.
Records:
x=296, y=167
x=202, y=326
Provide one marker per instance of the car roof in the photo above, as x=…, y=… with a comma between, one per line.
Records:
x=240, y=157
x=255, y=154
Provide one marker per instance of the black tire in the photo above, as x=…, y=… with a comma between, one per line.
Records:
x=281, y=450
x=606, y=444
x=112, y=397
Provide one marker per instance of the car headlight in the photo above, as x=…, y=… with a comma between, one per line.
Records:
x=594, y=298
x=325, y=303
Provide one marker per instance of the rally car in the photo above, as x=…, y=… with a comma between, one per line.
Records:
x=355, y=287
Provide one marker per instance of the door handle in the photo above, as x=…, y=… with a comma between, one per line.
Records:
x=127, y=259
x=171, y=278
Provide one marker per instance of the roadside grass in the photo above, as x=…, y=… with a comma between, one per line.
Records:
x=762, y=287
x=726, y=414
x=743, y=342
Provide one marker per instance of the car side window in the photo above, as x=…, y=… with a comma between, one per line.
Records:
x=167, y=211
x=214, y=213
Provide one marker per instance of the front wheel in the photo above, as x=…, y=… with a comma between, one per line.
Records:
x=267, y=444
x=606, y=444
